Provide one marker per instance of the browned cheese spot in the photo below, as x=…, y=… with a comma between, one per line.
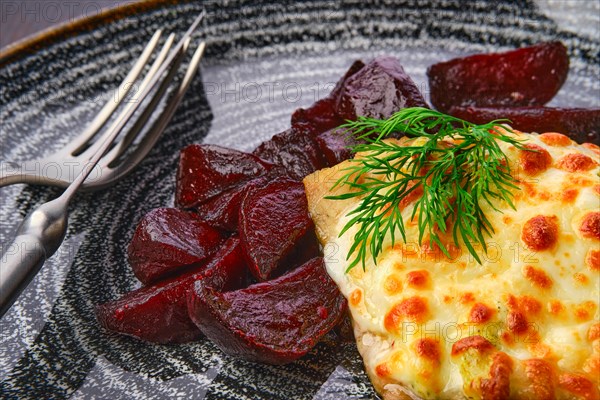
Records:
x=555, y=139
x=540, y=232
x=476, y=342
x=576, y=162
x=593, y=147
x=592, y=260
x=382, y=370
x=537, y=277
x=480, y=313
x=541, y=377
x=578, y=385
x=412, y=309
x=392, y=285
x=590, y=225
x=497, y=386
x=429, y=349
x=534, y=159
x=418, y=279
x=355, y=297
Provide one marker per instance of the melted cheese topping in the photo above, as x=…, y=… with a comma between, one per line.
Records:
x=523, y=324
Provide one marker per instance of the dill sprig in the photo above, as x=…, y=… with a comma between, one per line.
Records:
x=457, y=165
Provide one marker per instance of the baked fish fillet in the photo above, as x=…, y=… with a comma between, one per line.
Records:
x=524, y=324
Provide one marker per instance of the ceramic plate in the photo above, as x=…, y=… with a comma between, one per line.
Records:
x=264, y=59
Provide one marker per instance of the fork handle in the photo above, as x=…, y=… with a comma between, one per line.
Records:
x=21, y=261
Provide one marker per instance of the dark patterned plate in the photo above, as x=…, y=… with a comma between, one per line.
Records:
x=263, y=61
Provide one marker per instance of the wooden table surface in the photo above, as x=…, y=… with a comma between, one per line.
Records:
x=21, y=18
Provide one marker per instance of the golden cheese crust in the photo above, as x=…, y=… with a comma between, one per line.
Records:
x=524, y=324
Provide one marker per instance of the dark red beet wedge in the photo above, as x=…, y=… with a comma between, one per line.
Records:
x=296, y=151
x=168, y=239
x=273, y=221
x=206, y=171
x=335, y=146
x=530, y=76
x=580, y=124
x=378, y=90
x=322, y=115
x=159, y=313
x=272, y=322
x=306, y=248
x=222, y=211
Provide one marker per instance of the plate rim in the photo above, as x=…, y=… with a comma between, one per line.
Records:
x=41, y=40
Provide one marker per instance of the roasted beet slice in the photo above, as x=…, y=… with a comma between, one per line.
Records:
x=335, y=146
x=273, y=221
x=222, y=211
x=206, y=171
x=580, y=124
x=529, y=76
x=159, y=313
x=322, y=115
x=378, y=90
x=296, y=151
x=306, y=248
x=272, y=322
x=167, y=239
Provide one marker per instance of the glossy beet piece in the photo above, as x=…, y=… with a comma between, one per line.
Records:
x=306, y=248
x=322, y=115
x=580, y=124
x=378, y=90
x=168, y=239
x=206, y=171
x=159, y=313
x=273, y=221
x=272, y=322
x=222, y=211
x=336, y=146
x=296, y=151
x=530, y=76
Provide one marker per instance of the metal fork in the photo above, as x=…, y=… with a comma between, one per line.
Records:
x=62, y=167
x=41, y=233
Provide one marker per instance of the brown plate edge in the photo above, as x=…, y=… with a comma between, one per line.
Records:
x=54, y=34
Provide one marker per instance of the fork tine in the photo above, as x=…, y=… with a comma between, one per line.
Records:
x=123, y=118
x=148, y=141
x=102, y=117
x=68, y=163
x=112, y=157
x=151, y=72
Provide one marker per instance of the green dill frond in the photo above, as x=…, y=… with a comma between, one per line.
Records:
x=458, y=180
